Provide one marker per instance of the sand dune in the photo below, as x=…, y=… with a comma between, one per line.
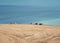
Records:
x=25, y=33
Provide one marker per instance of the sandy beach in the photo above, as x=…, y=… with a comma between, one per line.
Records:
x=27, y=33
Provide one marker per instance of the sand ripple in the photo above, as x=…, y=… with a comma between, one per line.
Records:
x=29, y=34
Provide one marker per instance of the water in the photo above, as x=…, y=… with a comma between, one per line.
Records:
x=26, y=15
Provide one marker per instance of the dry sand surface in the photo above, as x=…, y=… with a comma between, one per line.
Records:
x=25, y=33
